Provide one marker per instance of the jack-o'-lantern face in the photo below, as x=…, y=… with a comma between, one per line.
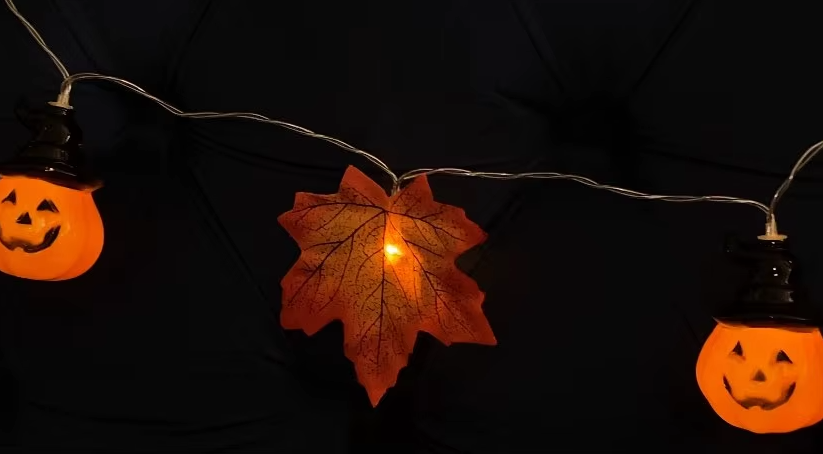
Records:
x=765, y=380
x=762, y=377
x=47, y=232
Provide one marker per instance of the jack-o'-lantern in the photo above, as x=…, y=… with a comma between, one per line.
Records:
x=50, y=229
x=763, y=379
x=47, y=231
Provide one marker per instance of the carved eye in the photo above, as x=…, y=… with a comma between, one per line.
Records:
x=738, y=350
x=12, y=197
x=47, y=205
x=782, y=357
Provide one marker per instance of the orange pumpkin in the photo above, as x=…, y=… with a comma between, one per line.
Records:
x=764, y=380
x=47, y=232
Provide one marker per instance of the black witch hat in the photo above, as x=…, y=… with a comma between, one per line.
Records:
x=772, y=294
x=54, y=153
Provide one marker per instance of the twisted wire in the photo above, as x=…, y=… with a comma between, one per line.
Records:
x=398, y=181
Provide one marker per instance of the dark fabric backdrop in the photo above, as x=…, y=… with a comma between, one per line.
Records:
x=171, y=343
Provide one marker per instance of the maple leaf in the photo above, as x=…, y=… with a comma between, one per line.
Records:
x=384, y=266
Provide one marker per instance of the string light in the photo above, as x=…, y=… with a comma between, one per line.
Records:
x=63, y=100
x=761, y=367
x=764, y=325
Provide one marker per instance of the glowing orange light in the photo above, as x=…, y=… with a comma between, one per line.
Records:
x=764, y=380
x=384, y=266
x=392, y=252
x=47, y=232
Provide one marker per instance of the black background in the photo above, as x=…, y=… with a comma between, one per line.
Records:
x=171, y=342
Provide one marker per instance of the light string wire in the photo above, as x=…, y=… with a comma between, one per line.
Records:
x=65, y=92
x=33, y=31
x=397, y=181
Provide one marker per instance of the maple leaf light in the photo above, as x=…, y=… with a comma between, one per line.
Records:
x=384, y=266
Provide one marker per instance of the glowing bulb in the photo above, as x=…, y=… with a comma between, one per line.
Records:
x=392, y=251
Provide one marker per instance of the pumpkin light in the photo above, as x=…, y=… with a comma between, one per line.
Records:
x=764, y=380
x=761, y=369
x=50, y=228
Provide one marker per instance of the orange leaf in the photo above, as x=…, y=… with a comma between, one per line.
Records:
x=384, y=266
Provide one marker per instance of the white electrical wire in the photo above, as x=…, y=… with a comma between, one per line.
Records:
x=397, y=181
x=587, y=182
x=804, y=159
x=33, y=31
x=66, y=90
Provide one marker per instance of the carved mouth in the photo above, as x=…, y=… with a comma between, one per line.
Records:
x=765, y=404
x=28, y=247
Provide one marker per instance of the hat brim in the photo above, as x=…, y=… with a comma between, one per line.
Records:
x=769, y=315
x=56, y=173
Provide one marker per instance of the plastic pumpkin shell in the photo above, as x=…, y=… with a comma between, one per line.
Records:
x=764, y=380
x=47, y=232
